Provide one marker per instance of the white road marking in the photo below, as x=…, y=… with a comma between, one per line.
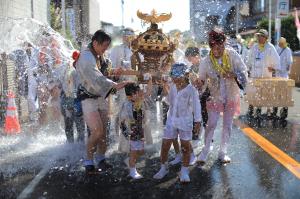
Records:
x=31, y=186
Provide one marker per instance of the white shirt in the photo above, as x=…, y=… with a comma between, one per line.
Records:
x=286, y=60
x=259, y=61
x=223, y=90
x=120, y=56
x=184, y=107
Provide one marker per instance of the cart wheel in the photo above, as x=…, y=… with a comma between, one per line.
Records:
x=283, y=113
x=258, y=118
x=251, y=121
x=275, y=122
x=258, y=122
x=283, y=123
x=250, y=112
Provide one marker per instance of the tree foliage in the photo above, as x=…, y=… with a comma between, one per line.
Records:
x=289, y=31
x=55, y=21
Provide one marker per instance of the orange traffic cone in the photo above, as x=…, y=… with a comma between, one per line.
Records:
x=12, y=125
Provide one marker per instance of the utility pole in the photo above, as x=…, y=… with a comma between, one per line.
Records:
x=270, y=18
x=63, y=17
x=237, y=10
x=32, y=10
x=122, y=6
x=282, y=10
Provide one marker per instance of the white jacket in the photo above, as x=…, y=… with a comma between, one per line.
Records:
x=260, y=61
x=184, y=107
x=224, y=90
x=120, y=56
x=286, y=60
x=90, y=76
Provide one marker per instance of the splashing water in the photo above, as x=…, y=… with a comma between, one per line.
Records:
x=51, y=47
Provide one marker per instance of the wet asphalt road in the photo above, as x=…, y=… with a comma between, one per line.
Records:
x=43, y=166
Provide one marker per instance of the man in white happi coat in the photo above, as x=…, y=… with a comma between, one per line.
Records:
x=263, y=61
x=93, y=69
x=286, y=60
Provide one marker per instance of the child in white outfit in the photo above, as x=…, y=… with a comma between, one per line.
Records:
x=184, y=108
x=131, y=116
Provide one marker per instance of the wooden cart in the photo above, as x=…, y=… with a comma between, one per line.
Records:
x=269, y=92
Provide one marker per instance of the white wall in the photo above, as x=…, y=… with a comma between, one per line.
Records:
x=94, y=16
x=41, y=10
x=22, y=9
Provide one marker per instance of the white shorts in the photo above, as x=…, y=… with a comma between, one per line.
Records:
x=91, y=105
x=173, y=133
x=136, y=145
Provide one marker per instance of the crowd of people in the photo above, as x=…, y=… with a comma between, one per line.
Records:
x=196, y=93
x=196, y=96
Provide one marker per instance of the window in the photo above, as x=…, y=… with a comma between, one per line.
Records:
x=258, y=6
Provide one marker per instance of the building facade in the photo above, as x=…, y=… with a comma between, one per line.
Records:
x=206, y=14
x=82, y=19
x=37, y=9
x=10, y=10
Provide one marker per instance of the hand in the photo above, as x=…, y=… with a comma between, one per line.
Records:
x=197, y=127
x=117, y=72
x=198, y=83
x=147, y=76
x=121, y=85
x=271, y=69
x=229, y=75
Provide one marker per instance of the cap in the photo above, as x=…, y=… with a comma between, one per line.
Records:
x=263, y=32
x=179, y=70
x=128, y=32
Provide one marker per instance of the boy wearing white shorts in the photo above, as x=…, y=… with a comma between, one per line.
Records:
x=184, y=108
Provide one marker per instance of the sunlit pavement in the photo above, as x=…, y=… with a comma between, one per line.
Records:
x=44, y=166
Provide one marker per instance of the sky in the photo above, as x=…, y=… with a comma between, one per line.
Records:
x=110, y=11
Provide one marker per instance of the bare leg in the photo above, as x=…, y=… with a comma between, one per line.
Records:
x=177, y=151
x=166, y=145
x=102, y=145
x=186, y=152
x=95, y=125
x=176, y=145
x=133, y=156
